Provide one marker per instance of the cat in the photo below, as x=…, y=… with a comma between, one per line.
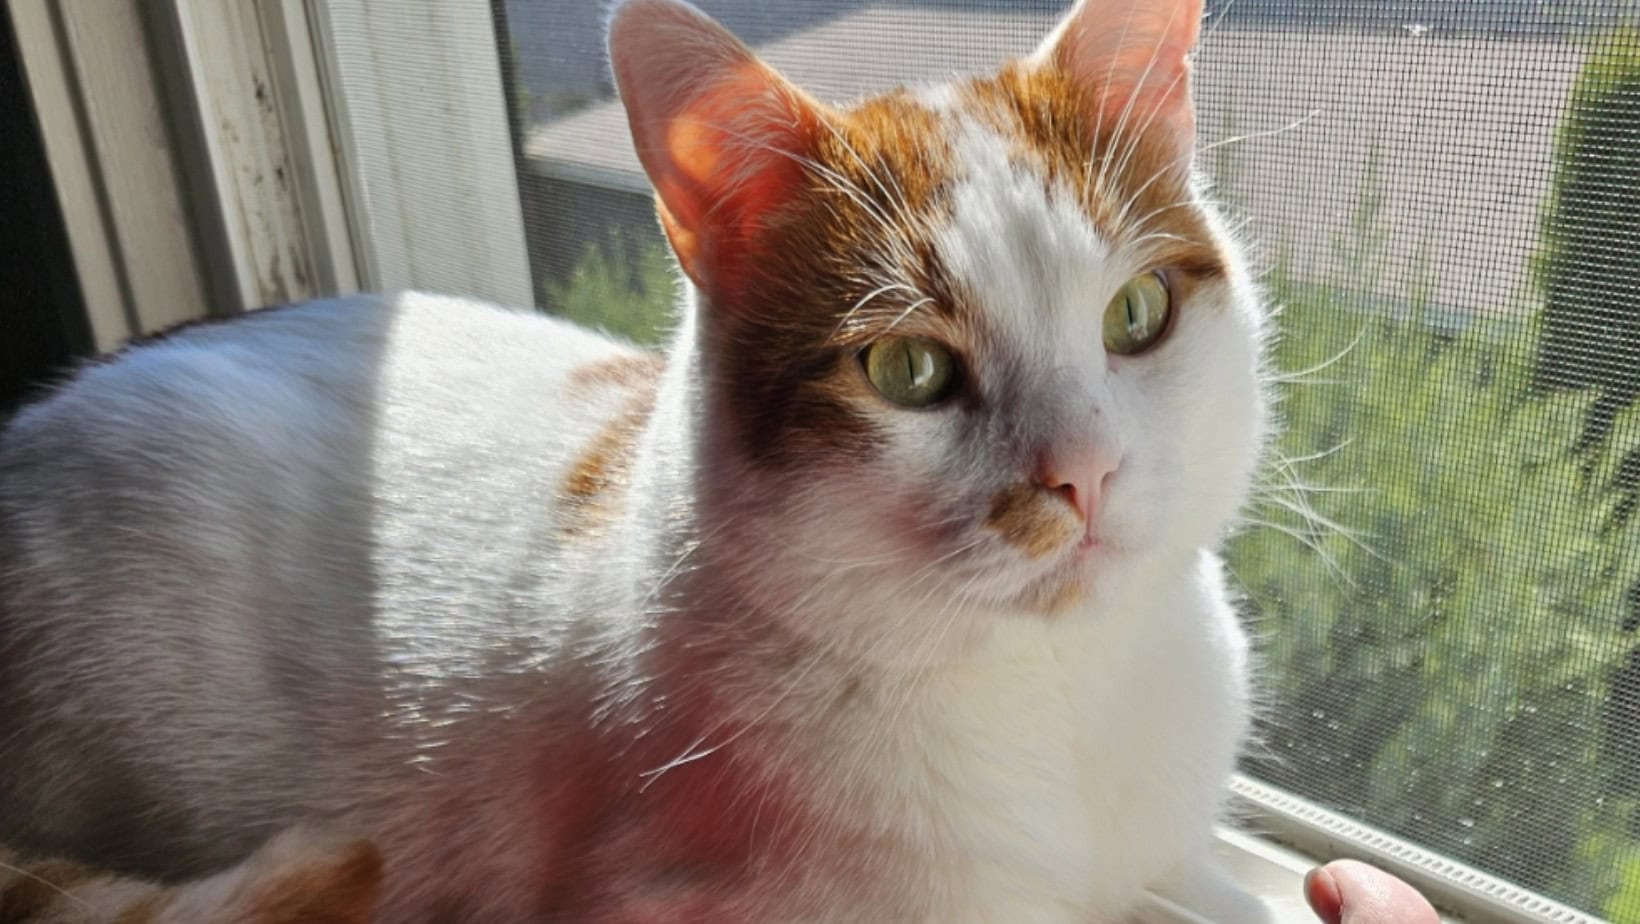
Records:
x=886, y=592
x=300, y=877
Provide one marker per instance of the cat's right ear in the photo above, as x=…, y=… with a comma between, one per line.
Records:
x=721, y=135
x=1132, y=60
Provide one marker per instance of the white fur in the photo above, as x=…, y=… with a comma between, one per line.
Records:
x=1082, y=755
x=1059, y=765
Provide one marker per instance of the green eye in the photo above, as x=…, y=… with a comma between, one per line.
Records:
x=1136, y=318
x=911, y=372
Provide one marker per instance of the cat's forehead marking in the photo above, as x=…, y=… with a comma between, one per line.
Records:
x=1124, y=174
x=884, y=168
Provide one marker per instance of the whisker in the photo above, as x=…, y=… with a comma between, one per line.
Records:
x=1267, y=133
x=33, y=877
x=1306, y=540
x=925, y=300
x=1306, y=488
x=1289, y=377
x=1213, y=27
x=1319, y=454
x=866, y=299
x=1133, y=95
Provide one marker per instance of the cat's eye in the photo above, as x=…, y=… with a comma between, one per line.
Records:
x=910, y=371
x=1137, y=317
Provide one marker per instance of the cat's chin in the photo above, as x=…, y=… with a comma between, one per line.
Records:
x=1071, y=580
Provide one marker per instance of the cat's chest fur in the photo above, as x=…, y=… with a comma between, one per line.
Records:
x=1050, y=779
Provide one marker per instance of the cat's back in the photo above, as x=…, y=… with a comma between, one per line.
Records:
x=281, y=427
x=313, y=368
x=248, y=537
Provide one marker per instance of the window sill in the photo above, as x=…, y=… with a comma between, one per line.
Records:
x=1272, y=872
x=1284, y=836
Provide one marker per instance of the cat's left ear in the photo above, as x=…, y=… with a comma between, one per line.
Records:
x=721, y=135
x=1130, y=59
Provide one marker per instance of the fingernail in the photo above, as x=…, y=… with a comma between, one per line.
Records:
x=1322, y=893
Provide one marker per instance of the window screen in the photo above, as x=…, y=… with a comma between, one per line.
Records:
x=1442, y=568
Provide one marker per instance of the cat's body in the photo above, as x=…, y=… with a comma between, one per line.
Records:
x=577, y=633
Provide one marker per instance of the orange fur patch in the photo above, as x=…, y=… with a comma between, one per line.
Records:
x=864, y=214
x=328, y=886
x=1031, y=520
x=632, y=371
x=286, y=883
x=340, y=887
x=1126, y=176
x=592, y=491
x=1055, y=598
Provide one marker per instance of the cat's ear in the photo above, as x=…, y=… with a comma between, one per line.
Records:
x=720, y=134
x=1130, y=59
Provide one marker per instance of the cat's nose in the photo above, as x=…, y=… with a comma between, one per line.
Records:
x=1078, y=474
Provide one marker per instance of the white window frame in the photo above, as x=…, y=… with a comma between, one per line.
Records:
x=206, y=163
x=423, y=135
x=104, y=133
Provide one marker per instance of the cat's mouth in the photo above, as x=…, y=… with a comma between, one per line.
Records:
x=1071, y=575
x=1086, y=553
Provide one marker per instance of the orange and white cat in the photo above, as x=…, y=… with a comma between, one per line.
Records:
x=887, y=593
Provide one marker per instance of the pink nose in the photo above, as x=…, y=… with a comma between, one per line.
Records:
x=1080, y=475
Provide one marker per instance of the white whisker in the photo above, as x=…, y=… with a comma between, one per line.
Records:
x=1267, y=133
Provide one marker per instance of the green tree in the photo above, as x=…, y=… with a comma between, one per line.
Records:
x=1589, y=267
x=626, y=289
x=1440, y=626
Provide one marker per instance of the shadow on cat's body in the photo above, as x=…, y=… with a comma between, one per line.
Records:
x=142, y=540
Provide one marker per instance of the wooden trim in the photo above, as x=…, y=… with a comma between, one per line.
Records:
x=104, y=129
x=211, y=157
x=252, y=139
x=310, y=126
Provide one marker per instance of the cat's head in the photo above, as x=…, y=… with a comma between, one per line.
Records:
x=961, y=347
